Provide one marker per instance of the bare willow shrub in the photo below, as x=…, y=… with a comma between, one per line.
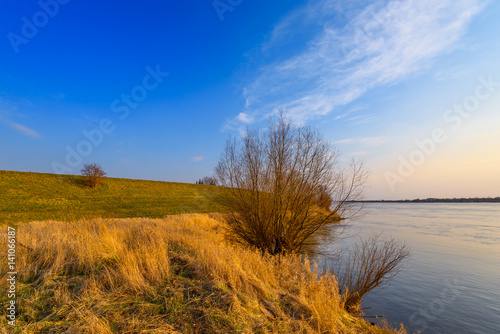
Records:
x=285, y=188
x=370, y=263
x=93, y=175
x=207, y=180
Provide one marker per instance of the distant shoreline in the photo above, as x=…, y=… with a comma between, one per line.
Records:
x=438, y=200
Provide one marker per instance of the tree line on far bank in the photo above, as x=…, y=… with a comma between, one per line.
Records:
x=442, y=200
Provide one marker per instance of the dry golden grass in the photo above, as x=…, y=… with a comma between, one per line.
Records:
x=172, y=275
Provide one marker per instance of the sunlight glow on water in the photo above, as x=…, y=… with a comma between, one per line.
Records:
x=452, y=282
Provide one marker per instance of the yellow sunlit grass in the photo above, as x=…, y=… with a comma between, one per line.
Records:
x=172, y=275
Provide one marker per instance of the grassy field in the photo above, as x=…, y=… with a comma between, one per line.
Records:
x=34, y=196
x=120, y=259
x=171, y=275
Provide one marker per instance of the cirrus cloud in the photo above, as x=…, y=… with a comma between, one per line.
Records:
x=376, y=44
x=21, y=129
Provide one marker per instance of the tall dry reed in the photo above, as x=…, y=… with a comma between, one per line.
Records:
x=172, y=275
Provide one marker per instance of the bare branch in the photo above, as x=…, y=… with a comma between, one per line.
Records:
x=93, y=175
x=286, y=188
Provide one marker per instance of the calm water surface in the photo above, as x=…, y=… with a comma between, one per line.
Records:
x=452, y=282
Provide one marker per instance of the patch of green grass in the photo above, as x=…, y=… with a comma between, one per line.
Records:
x=35, y=196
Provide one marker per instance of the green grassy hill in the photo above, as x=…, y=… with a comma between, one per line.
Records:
x=35, y=196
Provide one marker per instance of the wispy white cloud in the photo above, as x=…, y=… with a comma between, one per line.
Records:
x=374, y=141
x=22, y=129
x=367, y=141
x=362, y=119
x=9, y=110
x=244, y=118
x=359, y=153
x=379, y=45
x=352, y=110
x=345, y=141
x=196, y=159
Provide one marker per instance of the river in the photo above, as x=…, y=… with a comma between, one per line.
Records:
x=451, y=283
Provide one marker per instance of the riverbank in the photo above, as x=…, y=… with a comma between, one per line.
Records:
x=172, y=275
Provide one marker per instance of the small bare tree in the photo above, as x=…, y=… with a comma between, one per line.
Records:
x=285, y=188
x=371, y=263
x=93, y=175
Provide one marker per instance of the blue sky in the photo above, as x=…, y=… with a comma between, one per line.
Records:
x=152, y=90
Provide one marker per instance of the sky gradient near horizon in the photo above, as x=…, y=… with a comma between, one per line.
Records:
x=152, y=90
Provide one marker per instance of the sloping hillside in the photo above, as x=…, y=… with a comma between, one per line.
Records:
x=35, y=196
